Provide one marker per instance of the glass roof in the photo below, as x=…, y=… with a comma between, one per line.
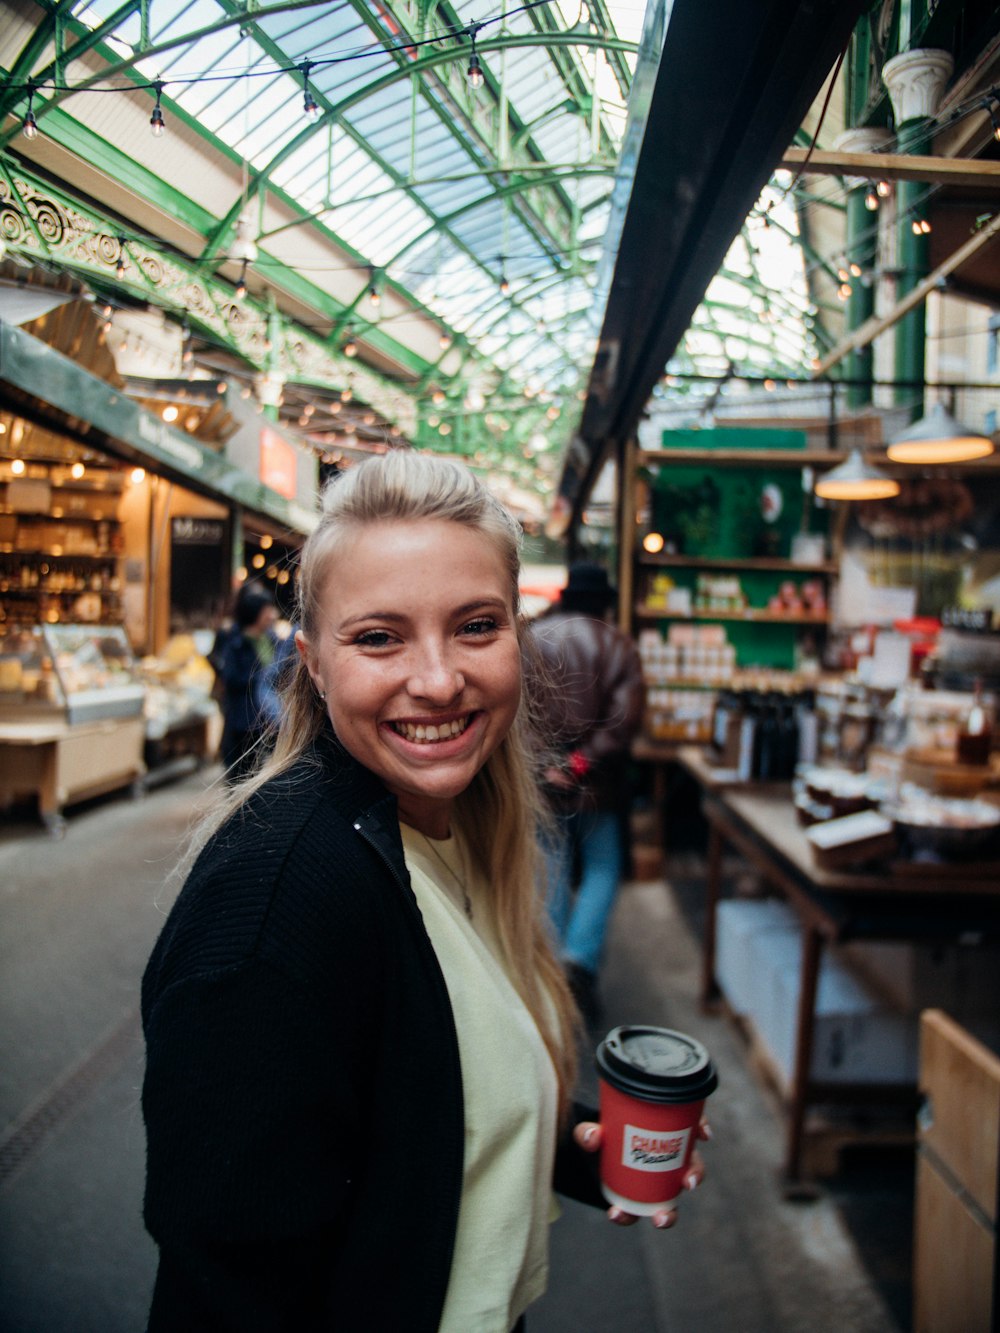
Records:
x=475, y=218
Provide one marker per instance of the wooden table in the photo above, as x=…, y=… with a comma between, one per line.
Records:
x=59, y=763
x=957, y=902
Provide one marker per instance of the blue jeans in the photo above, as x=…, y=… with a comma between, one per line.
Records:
x=579, y=925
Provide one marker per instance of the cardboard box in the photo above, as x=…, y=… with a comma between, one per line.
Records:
x=738, y=920
x=857, y=1036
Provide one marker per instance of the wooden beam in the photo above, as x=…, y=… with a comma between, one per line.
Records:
x=894, y=167
x=871, y=328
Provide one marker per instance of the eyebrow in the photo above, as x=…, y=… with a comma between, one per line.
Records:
x=399, y=617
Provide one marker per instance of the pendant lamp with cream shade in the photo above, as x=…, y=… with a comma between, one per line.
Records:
x=938, y=438
x=854, y=479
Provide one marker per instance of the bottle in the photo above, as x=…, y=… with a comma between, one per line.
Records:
x=765, y=756
x=975, y=734
x=788, y=739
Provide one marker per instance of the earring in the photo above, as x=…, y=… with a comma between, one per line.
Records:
x=322, y=696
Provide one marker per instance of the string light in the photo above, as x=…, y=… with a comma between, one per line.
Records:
x=475, y=73
x=156, y=119
x=504, y=284
x=374, y=295
x=350, y=348
x=444, y=342
x=120, y=266
x=241, y=286
x=871, y=199
x=309, y=104
x=883, y=189
x=29, y=126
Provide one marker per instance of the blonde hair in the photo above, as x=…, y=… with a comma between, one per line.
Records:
x=499, y=812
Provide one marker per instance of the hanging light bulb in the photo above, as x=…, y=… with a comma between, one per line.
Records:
x=309, y=103
x=444, y=342
x=350, y=347
x=241, y=286
x=883, y=189
x=346, y=394
x=156, y=119
x=504, y=284
x=475, y=73
x=29, y=126
x=374, y=295
x=871, y=199
x=120, y=266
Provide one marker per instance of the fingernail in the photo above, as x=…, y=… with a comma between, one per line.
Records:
x=691, y=1182
x=706, y=1131
x=589, y=1134
x=616, y=1214
x=663, y=1220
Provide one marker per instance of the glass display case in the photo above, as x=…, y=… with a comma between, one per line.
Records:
x=71, y=723
x=80, y=673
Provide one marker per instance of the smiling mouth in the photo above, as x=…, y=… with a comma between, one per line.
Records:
x=423, y=733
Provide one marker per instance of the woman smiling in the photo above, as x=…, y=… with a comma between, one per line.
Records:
x=360, y=1048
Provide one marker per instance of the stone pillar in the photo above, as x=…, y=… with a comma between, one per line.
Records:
x=915, y=81
x=860, y=249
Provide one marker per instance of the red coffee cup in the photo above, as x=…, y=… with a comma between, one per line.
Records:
x=653, y=1085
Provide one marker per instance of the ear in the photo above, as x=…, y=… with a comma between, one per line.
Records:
x=309, y=658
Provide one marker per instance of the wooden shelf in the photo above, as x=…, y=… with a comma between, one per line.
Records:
x=755, y=562
x=743, y=457
x=59, y=518
x=12, y=554
x=752, y=615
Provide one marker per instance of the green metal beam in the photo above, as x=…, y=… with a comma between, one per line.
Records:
x=64, y=231
x=26, y=363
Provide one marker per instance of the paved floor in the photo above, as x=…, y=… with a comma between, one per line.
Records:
x=77, y=919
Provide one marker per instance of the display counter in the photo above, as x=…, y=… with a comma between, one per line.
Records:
x=71, y=716
x=183, y=721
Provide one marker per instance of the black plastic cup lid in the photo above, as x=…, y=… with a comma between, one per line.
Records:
x=656, y=1064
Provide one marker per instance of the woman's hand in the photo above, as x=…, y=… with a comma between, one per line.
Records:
x=589, y=1136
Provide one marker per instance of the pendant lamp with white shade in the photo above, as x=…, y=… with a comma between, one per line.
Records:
x=854, y=479
x=938, y=438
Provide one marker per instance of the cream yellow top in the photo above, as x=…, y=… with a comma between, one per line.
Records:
x=500, y=1261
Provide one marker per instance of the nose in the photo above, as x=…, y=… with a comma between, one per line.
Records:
x=435, y=677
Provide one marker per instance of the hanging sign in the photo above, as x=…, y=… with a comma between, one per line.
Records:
x=277, y=463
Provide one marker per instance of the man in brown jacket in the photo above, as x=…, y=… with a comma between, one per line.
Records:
x=592, y=702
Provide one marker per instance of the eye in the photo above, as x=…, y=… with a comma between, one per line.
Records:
x=374, y=638
x=480, y=627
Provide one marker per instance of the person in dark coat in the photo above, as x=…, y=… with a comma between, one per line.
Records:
x=360, y=1047
x=250, y=708
x=593, y=698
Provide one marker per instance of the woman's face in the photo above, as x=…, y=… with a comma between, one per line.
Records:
x=417, y=654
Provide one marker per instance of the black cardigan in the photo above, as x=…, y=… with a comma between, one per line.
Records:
x=303, y=1093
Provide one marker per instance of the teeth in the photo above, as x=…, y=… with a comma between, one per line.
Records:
x=428, y=733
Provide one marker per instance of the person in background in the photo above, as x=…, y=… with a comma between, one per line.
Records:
x=592, y=693
x=360, y=1045
x=250, y=706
